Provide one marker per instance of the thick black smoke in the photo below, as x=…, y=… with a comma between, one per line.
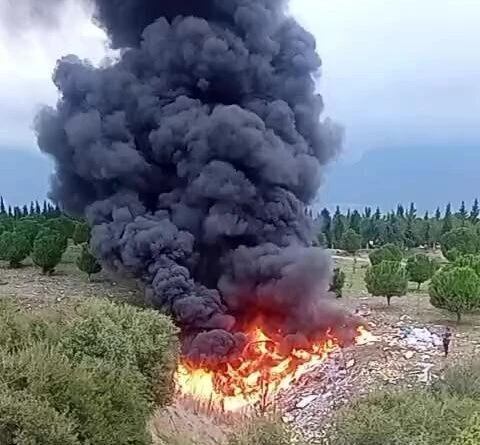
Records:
x=194, y=157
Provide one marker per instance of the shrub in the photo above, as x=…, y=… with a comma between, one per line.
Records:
x=62, y=224
x=47, y=251
x=14, y=248
x=387, y=279
x=25, y=420
x=460, y=241
x=472, y=261
x=420, y=268
x=388, y=252
x=81, y=234
x=461, y=380
x=87, y=263
x=28, y=227
x=51, y=232
x=351, y=242
x=127, y=338
x=19, y=330
x=338, y=281
x=403, y=417
x=456, y=289
x=106, y=406
x=263, y=431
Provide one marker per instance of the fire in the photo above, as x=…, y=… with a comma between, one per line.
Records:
x=259, y=375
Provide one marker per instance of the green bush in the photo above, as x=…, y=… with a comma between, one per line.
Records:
x=387, y=279
x=87, y=263
x=456, y=289
x=28, y=227
x=47, y=251
x=460, y=241
x=461, y=380
x=338, y=281
x=401, y=418
x=420, y=268
x=25, y=420
x=388, y=252
x=127, y=338
x=106, y=406
x=263, y=431
x=19, y=330
x=14, y=248
x=47, y=231
x=472, y=261
x=81, y=234
x=62, y=224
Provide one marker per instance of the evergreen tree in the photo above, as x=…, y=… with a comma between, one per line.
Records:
x=10, y=212
x=447, y=219
x=25, y=210
x=45, y=208
x=2, y=206
x=412, y=211
x=377, y=215
x=17, y=213
x=426, y=217
x=438, y=214
x=462, y=213
x=367, y=212
x=400, y=211
x=355, y=220
x=326, y=221
x=338, y=227
x=474, y=212
x=38, y=210
x=32, y=208
x=87, y=263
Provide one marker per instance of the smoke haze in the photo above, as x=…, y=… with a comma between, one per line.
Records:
x=194, y=157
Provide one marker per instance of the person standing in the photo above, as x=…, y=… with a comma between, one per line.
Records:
x=446, y=338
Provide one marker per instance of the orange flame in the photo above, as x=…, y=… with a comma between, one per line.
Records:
x=261, y=373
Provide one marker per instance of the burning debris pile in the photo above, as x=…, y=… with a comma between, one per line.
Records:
x=194, y=157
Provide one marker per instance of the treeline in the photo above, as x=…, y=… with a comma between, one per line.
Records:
x=403, y=227
x=46, y=209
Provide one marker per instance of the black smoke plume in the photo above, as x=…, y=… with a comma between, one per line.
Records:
x=194, y=157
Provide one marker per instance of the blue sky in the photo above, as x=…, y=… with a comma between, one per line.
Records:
x=395, y=73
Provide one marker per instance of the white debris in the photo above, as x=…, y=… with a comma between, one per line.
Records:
x=350, y=364
x=306, y=401
x=419, y=338
x=409, y=354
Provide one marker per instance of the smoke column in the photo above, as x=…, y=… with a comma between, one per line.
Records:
x=194, y=157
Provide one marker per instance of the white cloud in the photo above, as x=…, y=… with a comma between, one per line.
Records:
x=26, y=64
x=399, y=72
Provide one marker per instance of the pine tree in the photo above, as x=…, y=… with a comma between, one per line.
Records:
x=45, y=208
x=447, y=219
x=10, y=212
x=355, y=220
x=474, y=212
x=32, y=208
x=462, y=213
x=412, y=211
x=367, y=212
x=400, y=211
x=38, y=210
x=338, y=227
x=426, y=217
x=438, y=214
x=2, y=206
x=327, y=226
x=377, y=214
